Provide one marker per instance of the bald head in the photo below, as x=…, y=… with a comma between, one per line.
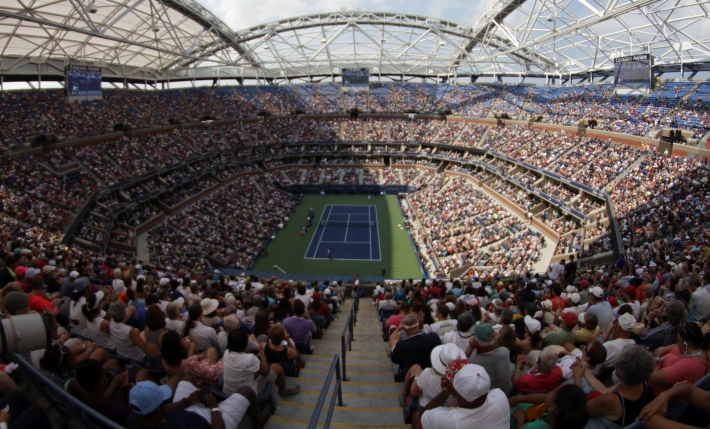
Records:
x=388, y=296
x=410, y=323
x=648, y=291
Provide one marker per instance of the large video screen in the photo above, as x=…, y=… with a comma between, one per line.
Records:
x=355, y=77
x=83, y=80
x=633, y=71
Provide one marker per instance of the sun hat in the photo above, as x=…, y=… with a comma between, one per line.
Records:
x=443, y=355
x=209, y=305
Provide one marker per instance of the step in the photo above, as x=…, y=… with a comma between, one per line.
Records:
x=387, y=386
x=279, y=422
x=355, y=374
x=363, y=415
x=325, y=360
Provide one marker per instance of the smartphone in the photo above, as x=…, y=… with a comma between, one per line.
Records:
x=131, y=374
x=204, y=391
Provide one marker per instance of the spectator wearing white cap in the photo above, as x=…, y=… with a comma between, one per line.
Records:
x=68, y=284
x=443, y=324
x=477, y=404
x=425, y=384
x=573, y=304
x=533, y=338
x=621, y=330
x=597, y=305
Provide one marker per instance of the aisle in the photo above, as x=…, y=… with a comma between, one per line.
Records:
x=370, y=398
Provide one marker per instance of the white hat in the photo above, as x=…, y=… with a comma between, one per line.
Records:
x=571, y=289
x=230, y=299
x=532, y=324
x=443, y=355
x=209, y=305
x=164, y=281
x=472, y=382
x=627, y=322
x=450, y=306
x=74, y=274
x=117, y=272
x=582, y=317
x=180, y=301
x=99, y=298
x=575, y=297
x=141, y=277
x=547, y=304
x=327, y=292
x=216, y=271
x=597, y=292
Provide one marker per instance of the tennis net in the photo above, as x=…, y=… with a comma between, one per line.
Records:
x=348, y=223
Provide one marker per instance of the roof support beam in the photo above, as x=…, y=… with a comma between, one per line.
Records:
x=120, y=16
x=46, y=23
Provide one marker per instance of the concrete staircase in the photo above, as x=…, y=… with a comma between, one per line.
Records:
x=370, y=397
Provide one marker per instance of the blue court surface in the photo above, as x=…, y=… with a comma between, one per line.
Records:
x=350, y=232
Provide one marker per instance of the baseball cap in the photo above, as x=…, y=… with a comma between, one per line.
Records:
x=48, y=269
x=582, y=317
x=570, y=318
x=627, y=322
x=80, y=284
x=316, y=295
x=20, y=271
x=547, y=304
x=630, y=290
x=532, y=324
x=575, y=298
x=597, y=292
x=15, y=301
x=164, y=281
x=483, y=332
x=146, y=396
x=472, y=382
x=584, y=284
x=442, y=355
x=74, y=274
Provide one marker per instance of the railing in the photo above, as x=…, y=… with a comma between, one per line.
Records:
x=337, y=393
x=348, y=336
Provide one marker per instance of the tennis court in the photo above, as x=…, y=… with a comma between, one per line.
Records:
x=350, y=232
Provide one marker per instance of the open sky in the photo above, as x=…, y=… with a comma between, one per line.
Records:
x=240, y=15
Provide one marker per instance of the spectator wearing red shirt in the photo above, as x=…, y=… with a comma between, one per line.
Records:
x=395, y=319
x=544, y=377
x=39, y=301
x=556, y=297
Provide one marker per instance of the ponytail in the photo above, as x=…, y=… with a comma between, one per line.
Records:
x=194, y=313
x=87, y=308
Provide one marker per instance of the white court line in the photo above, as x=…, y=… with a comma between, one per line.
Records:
x=377, y=228
x=315, y=232
x=347, y=226
x=341, y=259
x=324, y=227
x=369, y=233
x=347, y=242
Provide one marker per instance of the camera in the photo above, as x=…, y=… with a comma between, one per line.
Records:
x=25, y=333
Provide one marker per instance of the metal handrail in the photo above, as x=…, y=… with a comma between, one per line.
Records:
x=346, y=340
x=337, y=393
x=348, y=336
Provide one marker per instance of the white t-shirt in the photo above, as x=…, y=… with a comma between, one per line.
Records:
x=614, y=348
x=430, y=384
x=239, y=371
x=557, y=269
x=493, y=414
x=80, y=324
x=174, y=325
x=305, y=298
x=456, y=337
x=441, y=328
